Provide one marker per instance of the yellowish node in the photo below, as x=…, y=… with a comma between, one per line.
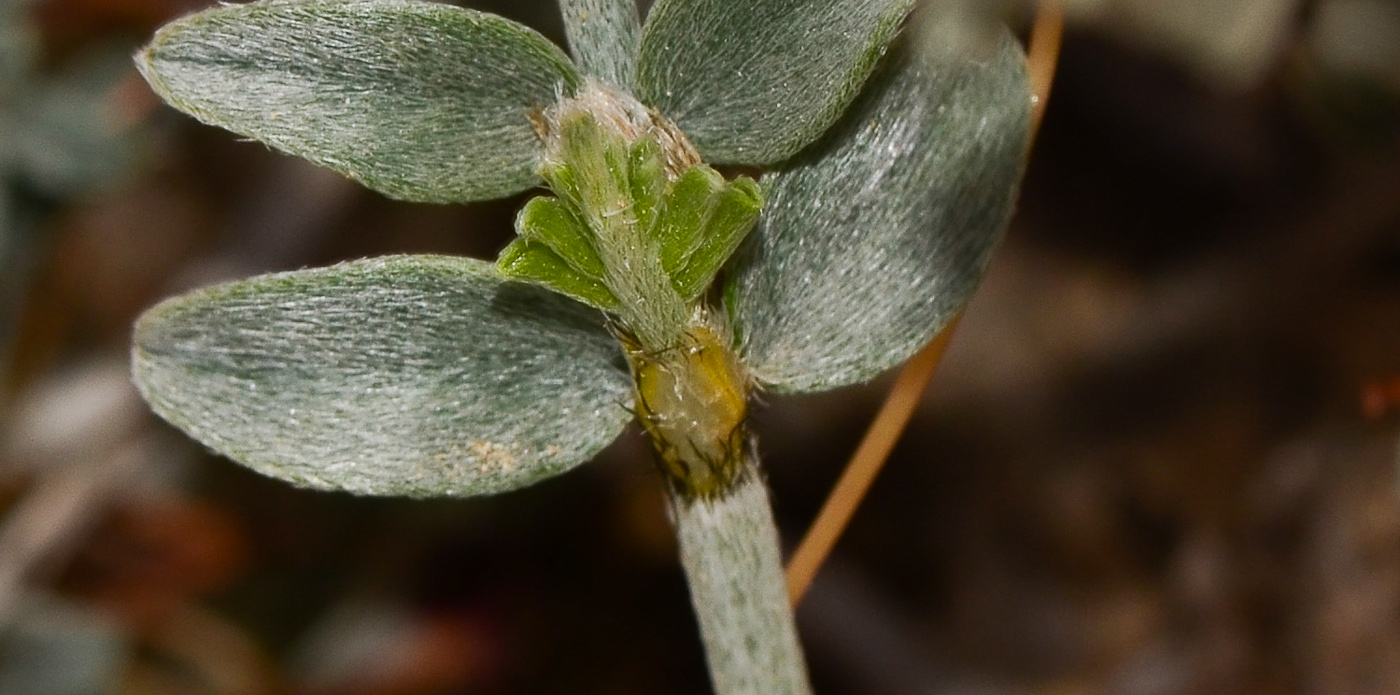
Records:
x=693, y=401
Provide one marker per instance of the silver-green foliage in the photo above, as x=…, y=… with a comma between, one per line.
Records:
x=420, y=101
x=752, y=82
x=410, y=375
x=435, y=376
x=427, y=376
x=874, y=237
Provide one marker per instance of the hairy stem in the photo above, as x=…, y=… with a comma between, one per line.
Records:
x=638, y=228
x=692, y=401
x=729, y=548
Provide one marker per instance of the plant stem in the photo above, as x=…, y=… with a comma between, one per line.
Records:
x=729, y=548
x=603, y=36
x=692, y=399
x=626, y=175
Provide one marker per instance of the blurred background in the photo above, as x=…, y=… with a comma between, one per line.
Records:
x=1158, y=460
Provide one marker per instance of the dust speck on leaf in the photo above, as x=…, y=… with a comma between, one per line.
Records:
x=493, y=457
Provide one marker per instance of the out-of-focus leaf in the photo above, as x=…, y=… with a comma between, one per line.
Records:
x=753, y=82
x=18, y=47
x=7, y=233
x=1348, y=74
x=1234, y=44
x=53, y=647
x=873, y=238
x=13, y=276
x=410, y=375
x=67, y=140
x=420, y=101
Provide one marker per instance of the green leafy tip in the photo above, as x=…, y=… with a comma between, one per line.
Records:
x=628, y=230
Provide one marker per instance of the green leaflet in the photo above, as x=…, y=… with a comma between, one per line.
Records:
x=753, y=82
x=647, y=176
x=551, y=222
x=875, y=236
x=704, y=220
x=538, y=263
x=419, y=101
x=683, y=215
x=410, y=375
